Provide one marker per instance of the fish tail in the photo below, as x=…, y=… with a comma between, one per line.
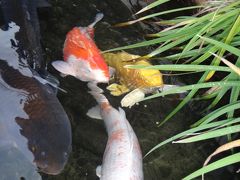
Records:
x=98, y=17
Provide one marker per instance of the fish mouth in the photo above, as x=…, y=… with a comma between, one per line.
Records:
x=53, y=169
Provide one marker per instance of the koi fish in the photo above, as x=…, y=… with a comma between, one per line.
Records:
x=122, y=158
x=138, y=81
x=131, y=79
x=82, y=58
x=34, y=125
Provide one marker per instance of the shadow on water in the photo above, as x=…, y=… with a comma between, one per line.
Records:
x=172, y=161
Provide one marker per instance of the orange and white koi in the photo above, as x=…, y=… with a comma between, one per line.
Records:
x=122, y=158
x=82, y=58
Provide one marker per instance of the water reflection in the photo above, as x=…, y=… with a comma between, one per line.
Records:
x=35, y=133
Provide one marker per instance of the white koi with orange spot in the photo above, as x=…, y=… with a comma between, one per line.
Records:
x=122, y=158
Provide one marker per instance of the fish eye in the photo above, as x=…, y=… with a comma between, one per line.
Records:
x=43, y=153
x=33, y=149
x=65, y=155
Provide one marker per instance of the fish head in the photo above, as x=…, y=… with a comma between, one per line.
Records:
x=76, y=44
x=94, y=69
x=49, y=139
x=49, y=136
x=51, y=163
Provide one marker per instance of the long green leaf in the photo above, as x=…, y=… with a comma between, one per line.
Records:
x=192, y=87
x=229, y=48
x=235, y=90
x=207, y=26
x=161, y=13
x=215, y=165
x=152, y=5
x=181, y=67
x=221, y=93
x=211, y=134
x=217, y=113
x=194, y=130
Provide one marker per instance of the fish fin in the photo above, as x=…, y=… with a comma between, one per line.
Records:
x=132, y=98
x=94, y=88
x=99, y=171
x=122, y=112
x=46, y=81
x=63, y=75
x=169, y=86
x=117, y=89
x=98, y=18
x=63, y=67
x=111, y=71
x=94, y=112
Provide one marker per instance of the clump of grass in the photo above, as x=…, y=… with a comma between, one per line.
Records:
x=203, y=41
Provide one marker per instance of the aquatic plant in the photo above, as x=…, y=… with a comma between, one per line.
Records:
x=206, y=43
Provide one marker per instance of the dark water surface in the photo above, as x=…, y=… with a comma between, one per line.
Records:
x=172, y=161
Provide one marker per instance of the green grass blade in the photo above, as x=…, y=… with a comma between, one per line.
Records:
x=168, y=46
x=206, y=28
x=173, y=35
x=165, y=12
x=137, y=45
x=234, y=30
x=235, y=90
x=233, y=98
x=194, y=130
x=229, y=48
x=193, y=87
x=205, y=56
x=185, y=133
x=211, y=134
x=184, y=101
x=221, y=93
x=215, y=165
x=179, y=106
x=152, y=5
x=181, y=67
x=218, y=112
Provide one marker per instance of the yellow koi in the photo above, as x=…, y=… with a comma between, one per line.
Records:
x=138, y=81
x=131, y=79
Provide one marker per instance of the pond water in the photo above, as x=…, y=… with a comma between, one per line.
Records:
x=172, y=161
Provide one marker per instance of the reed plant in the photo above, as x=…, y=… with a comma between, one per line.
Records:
x=206, y=42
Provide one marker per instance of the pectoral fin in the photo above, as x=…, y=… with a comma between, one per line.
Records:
x=63, y=67
x=99, y=171
x=94, y=112
x=111, y=71
x=169, y=86
x=117, y=89
x=132, y=98
x=45, y=81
